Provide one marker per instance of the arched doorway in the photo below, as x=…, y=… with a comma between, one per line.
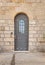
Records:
x=21, y=24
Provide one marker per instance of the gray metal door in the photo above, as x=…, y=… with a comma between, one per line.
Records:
x=21, y=32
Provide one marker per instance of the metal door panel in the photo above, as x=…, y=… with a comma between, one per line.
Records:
x=21, y=32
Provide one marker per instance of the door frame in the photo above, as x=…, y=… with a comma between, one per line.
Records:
x=14, y=31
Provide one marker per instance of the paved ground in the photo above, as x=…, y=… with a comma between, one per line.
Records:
x=30, y=59
x=22, y=58
x=5, y=58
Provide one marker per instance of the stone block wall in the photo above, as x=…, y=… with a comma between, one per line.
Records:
x=35, y=10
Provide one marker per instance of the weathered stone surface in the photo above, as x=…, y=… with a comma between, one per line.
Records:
x=22, y=1
x=43, y=1
x=34, y=9
x=27, y=58
x=35, y=1
x=6, y=58
x=8, y=39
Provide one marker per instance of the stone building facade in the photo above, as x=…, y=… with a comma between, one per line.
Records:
x=35, y=10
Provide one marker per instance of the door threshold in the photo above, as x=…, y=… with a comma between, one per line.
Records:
x=22, y=51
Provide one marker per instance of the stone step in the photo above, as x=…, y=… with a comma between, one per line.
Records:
x=22, y=58
x=29, y=58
